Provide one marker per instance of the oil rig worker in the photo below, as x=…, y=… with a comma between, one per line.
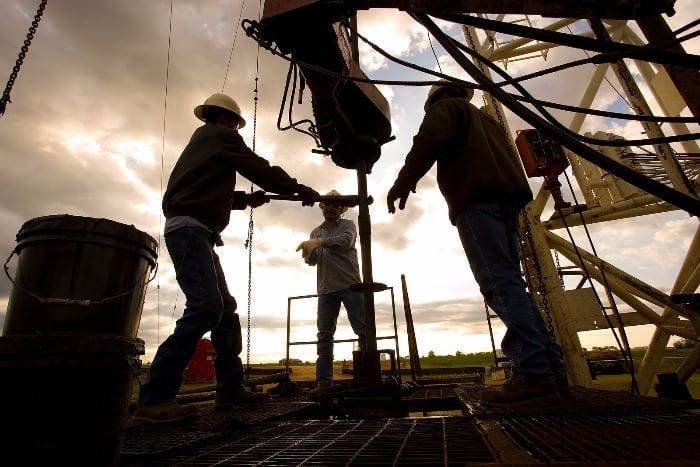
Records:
x=485, y=188
x=197, y=207
x=331, y=248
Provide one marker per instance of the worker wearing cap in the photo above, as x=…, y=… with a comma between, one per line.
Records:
x=197, y=206
x=485, y=188
x=331, y=248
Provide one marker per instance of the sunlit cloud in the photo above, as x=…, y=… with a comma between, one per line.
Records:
x=92, y=131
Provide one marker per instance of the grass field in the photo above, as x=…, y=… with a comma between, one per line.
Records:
x=624, y=382
x=307, y=372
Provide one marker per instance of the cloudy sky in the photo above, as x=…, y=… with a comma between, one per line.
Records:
x=91, y=132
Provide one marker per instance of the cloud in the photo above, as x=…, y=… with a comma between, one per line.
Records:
x=94, y=129
x=398, y=34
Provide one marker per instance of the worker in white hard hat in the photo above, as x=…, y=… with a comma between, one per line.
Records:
x=220, y=101
x=197, y=207
x=331, y=248
x=485, y=187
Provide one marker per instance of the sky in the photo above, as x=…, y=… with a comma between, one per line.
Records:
x=102, y=106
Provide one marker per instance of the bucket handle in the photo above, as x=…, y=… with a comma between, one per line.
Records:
x=71, y=301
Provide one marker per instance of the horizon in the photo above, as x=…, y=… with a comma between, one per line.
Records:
x=94, y=128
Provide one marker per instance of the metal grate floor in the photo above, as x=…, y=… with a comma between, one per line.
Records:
x=597, y=428
x=159, y=440
x=590, y=427
x=444, y=441
x=580, y=401
x=606, y=439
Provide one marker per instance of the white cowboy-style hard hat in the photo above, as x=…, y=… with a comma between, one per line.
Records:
x=222, y=101
x=332, y=193
x=435, y=90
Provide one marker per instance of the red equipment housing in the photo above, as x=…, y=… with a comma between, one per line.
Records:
x=541, y=155
x=200, y=368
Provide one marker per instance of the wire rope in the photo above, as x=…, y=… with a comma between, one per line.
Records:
x=536, y=102
x=434, y=54
x=233, y=45
x=624, y=346
x=162, y=167
x=526, y=98
x=609, y=51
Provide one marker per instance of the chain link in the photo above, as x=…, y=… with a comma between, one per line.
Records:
x=249, y=246
x=249, y=239
x=20, y=59
x=561, y=275
x=527, y=249
x=494, y=103
x=528, y=254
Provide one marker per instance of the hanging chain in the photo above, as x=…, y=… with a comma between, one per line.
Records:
x=249, y=240
x=20, y=59
x=561, y=275
x=494, y=103
x=527, y=249
x=249, y=246
x=528, y=252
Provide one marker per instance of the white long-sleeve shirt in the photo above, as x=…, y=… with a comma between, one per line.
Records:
x=336, y=262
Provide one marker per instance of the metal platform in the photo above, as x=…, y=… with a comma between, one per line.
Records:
x=589, y=427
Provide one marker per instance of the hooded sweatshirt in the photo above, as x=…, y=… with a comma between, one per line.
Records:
x=203, y=180
x=475, y=161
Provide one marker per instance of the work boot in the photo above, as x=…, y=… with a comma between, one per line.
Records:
x=321, y=390
x=239, y=399
x=166, y=412
x=520, y=394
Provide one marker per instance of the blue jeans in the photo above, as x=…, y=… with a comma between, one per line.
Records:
x=209, y=307
x=326, y=320
x=489, y=232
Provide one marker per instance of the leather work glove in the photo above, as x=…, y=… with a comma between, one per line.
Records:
x=307, y=194
x=256, y=199
x=242, y=199
x=309, y=246
x=400, y=193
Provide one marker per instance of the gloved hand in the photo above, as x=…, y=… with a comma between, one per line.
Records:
x=242, y=199
x=400, y=193
x=256, y=198
x=309, y=246
x=307, y=194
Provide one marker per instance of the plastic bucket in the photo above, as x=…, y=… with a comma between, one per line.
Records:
x=64, y=399
x=79, y=275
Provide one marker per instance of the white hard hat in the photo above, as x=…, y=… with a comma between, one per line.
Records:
x=222, y=101
x=332, y=193
x=436, y=88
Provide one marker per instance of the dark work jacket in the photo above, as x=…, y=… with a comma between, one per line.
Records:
x=202, y=182
x=475, y=161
